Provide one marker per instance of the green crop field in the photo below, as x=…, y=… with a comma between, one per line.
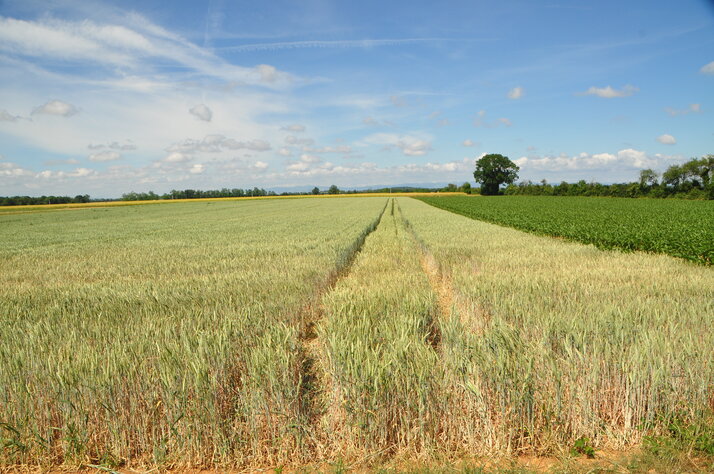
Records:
x=357, y=331
x=676, y=227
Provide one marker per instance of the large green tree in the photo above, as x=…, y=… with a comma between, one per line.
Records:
x=494, y=170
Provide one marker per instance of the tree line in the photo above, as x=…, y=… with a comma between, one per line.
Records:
x=691, y=180
x=33, y=201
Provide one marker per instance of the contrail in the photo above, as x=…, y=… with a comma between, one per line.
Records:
x=366, y=43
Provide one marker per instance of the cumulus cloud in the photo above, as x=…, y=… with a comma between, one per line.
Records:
x=113, y=146
x=6, y=116
x=77, y=173
x=414, y=148
x=468, y=142
x=56, y=107
x=707, y=68
x=13, y=170
x=122, y=147
x=516, y=93
x=201, y=112
x=666, y=139
x=176, y=157
x=104, y=156
x=624, y=159
x=293, y=140
x=408, y=144
x=329, y=149
x=70, y=161
x=610, y=93
x=216, y=144
x=296, y=127
x=692, y=109
x=260, y=166
x=197, y=168
x=284, y=151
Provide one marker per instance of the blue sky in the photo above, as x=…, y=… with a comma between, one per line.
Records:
x=105, y=98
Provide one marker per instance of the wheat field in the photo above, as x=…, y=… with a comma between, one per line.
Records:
x=247, y=334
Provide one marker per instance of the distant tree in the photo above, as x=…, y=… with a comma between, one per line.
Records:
x=494, y=170
x=648, y=178
x=466, y=188
x=450, y=188
x=315, y=190
x=333, y=190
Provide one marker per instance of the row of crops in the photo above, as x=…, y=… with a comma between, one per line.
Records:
x=675, y=227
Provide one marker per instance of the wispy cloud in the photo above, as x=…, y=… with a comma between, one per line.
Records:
x=707, y=68
x=136, y=43
x=692, y=109
x=516, y=93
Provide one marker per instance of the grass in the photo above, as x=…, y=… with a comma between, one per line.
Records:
x=340, y=332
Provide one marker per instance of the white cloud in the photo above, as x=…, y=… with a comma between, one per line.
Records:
x=409, y=145
x=369, y=121
x=12, y=170
x=692, y=109
x=708, y=68
x=6, y=116
x=56, y=107
x=104, y=156
x=122, y=147
x=260, y=165
x=293, y=140
x=628, y=158
x=267, y=73
x=610, y=93
x=197, y=168
x=132, y=44
x=177, y=157
x=296, y=127
x=468, y=142
x=217, y=143
x=77, y=173
x=516, y=93
x=306, y=158
x=70, y=161
x=201, y=112
x=329, y=149
x=284, y=151
x=666, y=139
x=414, y=148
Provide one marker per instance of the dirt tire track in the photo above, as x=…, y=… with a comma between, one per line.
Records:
x=312, y=376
